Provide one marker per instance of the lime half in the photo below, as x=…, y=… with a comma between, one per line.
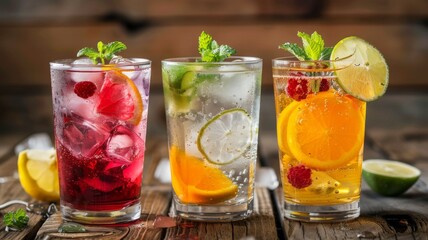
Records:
x=389, y=178
x=367, y=77
x=226, y=136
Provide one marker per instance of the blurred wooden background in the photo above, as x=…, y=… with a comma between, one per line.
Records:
x=34, y=32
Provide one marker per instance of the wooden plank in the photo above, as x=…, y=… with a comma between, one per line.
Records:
x=155, y=202
x=402, y=217
x=77, y=10
x=159, y=42
x=261, y=225
x=12, y=190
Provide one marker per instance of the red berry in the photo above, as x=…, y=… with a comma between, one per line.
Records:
x=85, y=89
x=297, y=88
x=324, y=85
x=299, y=176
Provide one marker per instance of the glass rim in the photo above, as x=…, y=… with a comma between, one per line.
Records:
x=68, y=63
x=291, y=62
x=233, y=60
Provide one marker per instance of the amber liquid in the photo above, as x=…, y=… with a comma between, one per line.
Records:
x=336, y=176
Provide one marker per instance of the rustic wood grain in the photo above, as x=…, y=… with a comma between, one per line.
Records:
x=160, y=42
x=155, y=201
x=261, y=225
x=12, y=190
x=153, y=9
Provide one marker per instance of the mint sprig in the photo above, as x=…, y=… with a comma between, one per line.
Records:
x=104, y=52
x=313, y=47
x=210, y=50
x=16, y=220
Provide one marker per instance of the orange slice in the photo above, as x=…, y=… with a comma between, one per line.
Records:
x=120, y=98
x=326, y=131
x=195, y=182
x=282, y=124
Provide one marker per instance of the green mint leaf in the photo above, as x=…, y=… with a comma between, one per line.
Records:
x=104, y=52
x=114, y=47
x=16, y=219
x=224, y=51
x=325, y=53
x=313, y=44
x=205, y=41
x=295, y=50
x=211, y=51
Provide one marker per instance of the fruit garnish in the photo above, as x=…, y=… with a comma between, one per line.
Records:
x=38, y=174
x=282, y=124
x=16, y=220
x=297, y=88
x=85, y=89
x=226, y=136
x=210, y=50
x=104, y=52
x=299, y=176
x=365, y=75
x=329, y=137
x=389, y=178
x=120, y=98
x=195, y=182
x=313, y=50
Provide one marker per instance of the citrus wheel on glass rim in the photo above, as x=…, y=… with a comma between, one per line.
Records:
x=365, y=74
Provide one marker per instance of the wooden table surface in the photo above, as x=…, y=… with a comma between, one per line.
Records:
x=403, y=217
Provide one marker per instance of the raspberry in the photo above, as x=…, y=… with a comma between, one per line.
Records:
x=299, y=176
x=297, y=88
x=85, y=89
x=324, y=85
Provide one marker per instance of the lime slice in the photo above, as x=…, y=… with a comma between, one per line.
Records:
x=367, y=77
x=226, y=136
x=389, y=178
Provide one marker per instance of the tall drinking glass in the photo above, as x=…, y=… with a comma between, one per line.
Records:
x=100, y=122
x=212, y=112
x=320, y=132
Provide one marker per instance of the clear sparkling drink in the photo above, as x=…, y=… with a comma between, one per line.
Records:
x=212, y=114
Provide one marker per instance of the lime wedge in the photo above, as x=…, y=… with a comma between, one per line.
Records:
x=226, y=136
x=389, y=178
x=367, y=77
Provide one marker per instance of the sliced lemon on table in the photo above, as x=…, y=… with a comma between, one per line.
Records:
x=226, y=136
x=326, y=131
x=389, y=178
x=364, y=75
x=38, y=174
x=195, y=182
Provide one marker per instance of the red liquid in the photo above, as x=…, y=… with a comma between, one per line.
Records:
x=97, y=183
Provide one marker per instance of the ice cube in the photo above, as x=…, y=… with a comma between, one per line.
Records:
x=103, y=186
x=82, y=138
x=82, y=71
x=232, y=89
x=128, y=69
x=124, y=145
x=322, y=183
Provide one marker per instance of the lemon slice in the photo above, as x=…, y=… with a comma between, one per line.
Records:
x=366, y=76
x=389, y=178
x=226, y=136
x=38, y=174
